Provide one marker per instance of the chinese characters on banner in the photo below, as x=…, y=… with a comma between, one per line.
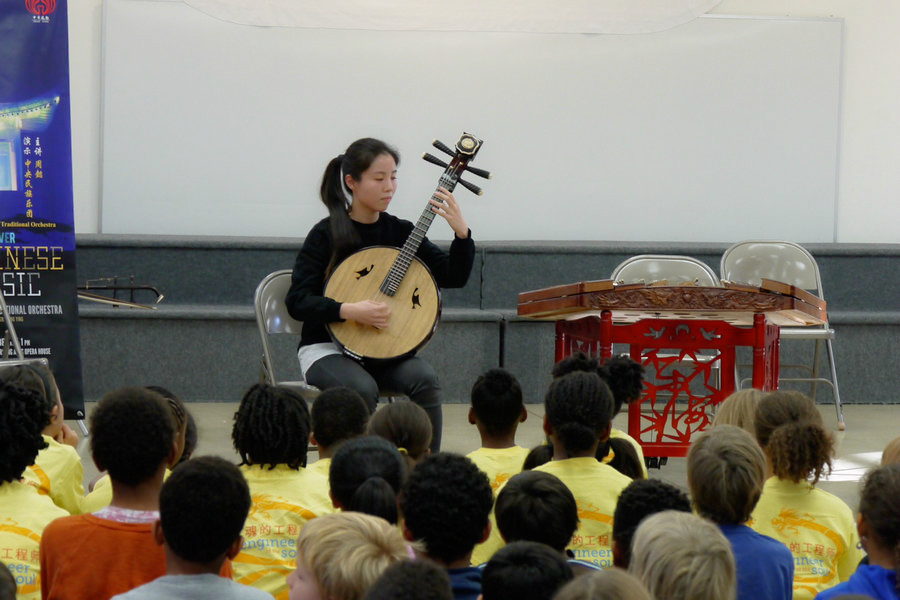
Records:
x=37, y=233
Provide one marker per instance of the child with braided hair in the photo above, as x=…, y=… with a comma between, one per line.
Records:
x=271, y=435
x=26, y=513
x=817, y=527
x=879, y=529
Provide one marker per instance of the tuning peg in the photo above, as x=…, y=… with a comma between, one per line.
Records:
x=471, y=187
x=479, y=172
x=434, y=160
x=443, y=147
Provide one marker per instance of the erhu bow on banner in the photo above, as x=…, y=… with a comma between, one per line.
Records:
x=396, y=277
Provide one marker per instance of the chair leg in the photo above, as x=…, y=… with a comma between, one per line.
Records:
x=815, y=369
x=839, y=409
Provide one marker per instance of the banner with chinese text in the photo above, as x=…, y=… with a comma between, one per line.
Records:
x=37, y=230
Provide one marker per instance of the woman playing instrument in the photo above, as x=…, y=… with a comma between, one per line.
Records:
x=357, y=188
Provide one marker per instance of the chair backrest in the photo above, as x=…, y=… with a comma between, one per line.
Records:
x=753, y=260
x=271, y=313
x=674, y=268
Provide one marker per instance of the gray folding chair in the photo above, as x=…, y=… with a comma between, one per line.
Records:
x=674, y=268
x=753, y=260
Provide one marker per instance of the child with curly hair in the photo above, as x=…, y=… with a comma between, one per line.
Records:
x=817, y=527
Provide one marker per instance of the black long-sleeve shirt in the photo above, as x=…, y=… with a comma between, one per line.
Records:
x=305, y=301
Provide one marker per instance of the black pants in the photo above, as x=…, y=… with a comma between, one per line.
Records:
x=412, y=377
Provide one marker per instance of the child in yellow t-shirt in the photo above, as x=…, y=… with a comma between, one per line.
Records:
x=57, y=471
x=338, y=414
x=271, y=434
x=25, y=512
x=817, y=527
x=497, y=409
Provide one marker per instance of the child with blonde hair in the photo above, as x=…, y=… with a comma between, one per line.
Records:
x=739, y=409
x=817, y=527
x=680, y=556
x=609, y=584
x=341, y=555
x=726, y=470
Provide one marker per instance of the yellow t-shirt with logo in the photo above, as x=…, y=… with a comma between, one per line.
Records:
x=596, y=487
x=57, y=472
x=283, y=500
x=817, y=527
x=321, y=466
x=499, y=463
x=24, y=513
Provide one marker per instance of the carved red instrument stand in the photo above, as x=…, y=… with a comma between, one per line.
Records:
x=684, y=355
x=686, y=336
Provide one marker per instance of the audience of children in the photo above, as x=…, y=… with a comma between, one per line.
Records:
x=608, y=584
x=271, y=435
x=407, y=426
x=149, y=543
x=879, y=530
x=366, y=476
x=524, y=571
x=419, y=579
x=817, y=527
x=25, y=513
x=133, y=438
x=202, y=508
x=625, y=379
x=337, y=415
x=680, y=556
x=446, y=502
x=340, y=556
x=640, y=499
x=497, y=409
x=726, y=470
x=57, y=471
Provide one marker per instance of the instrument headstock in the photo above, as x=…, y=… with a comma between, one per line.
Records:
x=466, y=148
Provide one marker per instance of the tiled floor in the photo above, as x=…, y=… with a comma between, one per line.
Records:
x=869, y=429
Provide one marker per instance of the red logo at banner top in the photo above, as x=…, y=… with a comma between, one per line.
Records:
x=40, y=8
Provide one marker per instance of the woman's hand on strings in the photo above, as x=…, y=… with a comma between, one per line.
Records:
x=444, y=204
x=367, y=312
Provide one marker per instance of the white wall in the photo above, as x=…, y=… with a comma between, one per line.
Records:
x=870, y=131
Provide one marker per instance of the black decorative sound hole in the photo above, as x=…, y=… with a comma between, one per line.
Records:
x=363, y=272
x=415, y=299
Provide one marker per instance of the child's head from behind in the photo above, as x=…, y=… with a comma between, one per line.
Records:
x=446, y=502
x=680, y=556
x=39, y=378
x=7, y=583
x=640, y=499
x=340, y=555
x=271, y=427
x=789, y=428
x=524, y=571
x=891, y=454
x=132, y=435
x=726, y=470
x=879, y=512
x=537, y=507
x=625, y=379
x=366, y=475
x=407, y=426
x=419, y=579
x=337, y=415
x=739, y=409
x=22, y=418
x=609, y=584
x=578, y=409
x=497, y=406
x=202, y=508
